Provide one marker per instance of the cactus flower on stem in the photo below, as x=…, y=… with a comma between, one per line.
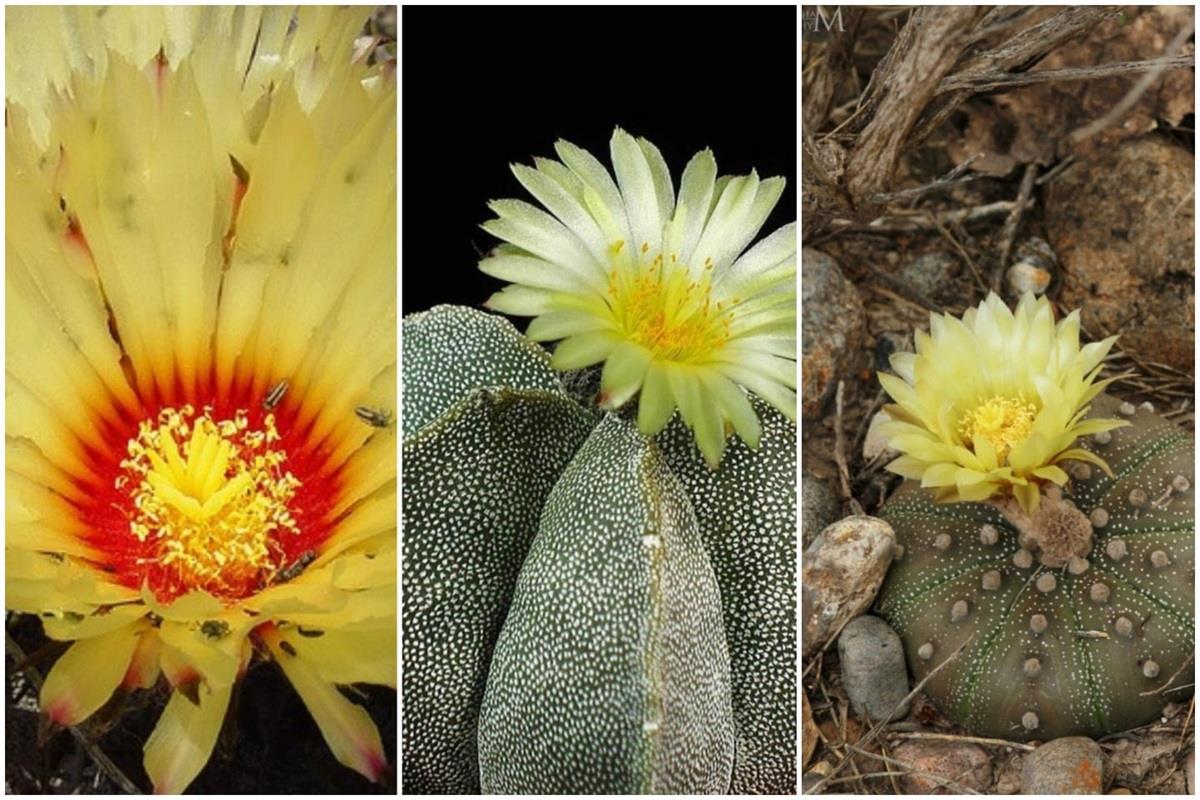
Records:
x=200, y=231
x=656, y=287
x=1059, y=600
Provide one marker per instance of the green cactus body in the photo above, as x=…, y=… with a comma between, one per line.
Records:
x=746, y=510
x=478, y=465
x=1095, y=646
x=585, y=609
x=611, y=674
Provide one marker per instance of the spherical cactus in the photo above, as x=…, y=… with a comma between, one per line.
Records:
x=1089, y=640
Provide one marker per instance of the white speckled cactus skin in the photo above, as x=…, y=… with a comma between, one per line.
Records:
x=611, y=673
x=1094, y=647
x=585, y=609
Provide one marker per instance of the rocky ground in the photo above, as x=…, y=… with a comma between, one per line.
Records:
x=1004, y=196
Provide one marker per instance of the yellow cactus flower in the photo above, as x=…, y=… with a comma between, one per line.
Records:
x=990, y=404
x=655, y=286
x=200, y=274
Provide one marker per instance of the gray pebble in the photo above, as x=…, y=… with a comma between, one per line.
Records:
x=873, y=670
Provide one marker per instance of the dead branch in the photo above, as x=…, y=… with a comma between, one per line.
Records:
x=1005, y=81
x=1017, y=54
x=924, y=52
x=923, y=220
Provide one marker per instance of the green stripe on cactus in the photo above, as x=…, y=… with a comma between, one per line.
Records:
x=747, y=515
x=611, y=673
x=475, y=482
x=449, y=351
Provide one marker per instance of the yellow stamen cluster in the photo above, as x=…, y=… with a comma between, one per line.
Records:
x=211, y=494
x=660, y=306
x=1003, y=421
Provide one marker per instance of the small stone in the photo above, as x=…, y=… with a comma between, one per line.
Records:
x=1116, y=549
x=1031, y=667
x=958, y=611
x=1099, y=517
x=873, y=669
x=988, y=535
x=1071, y=765
x=1038, y=623
x=931, y=273
x=1077, y=565
x=1023, y=558
x=1099, y=593
x=1029, y=721
x=1150, y=669
x=1180, y=483
x=964, y=763
x=1046, y=582
x=819, y=506
x=1138, y=498
x=1147, y=406
x=1103, y=437
x=843, y=569
x=1124, y=626
x=1159, y=559
x=833, y=326
x=925, y=651
x=1082, y=471
x=942, y=541
x=1128, y=409
x=991, y=580
x=1025, y=277
x=899, y=553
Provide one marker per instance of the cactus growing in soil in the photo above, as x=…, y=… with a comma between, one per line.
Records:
x=1094, y=646
x=1072, y=615
x=585, y=608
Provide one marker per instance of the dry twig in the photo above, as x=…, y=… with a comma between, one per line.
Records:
x=1009, y=232
x=992, y=82
x=947, y=737
x=839, y=447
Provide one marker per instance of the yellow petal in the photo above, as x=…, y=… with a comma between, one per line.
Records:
x=363, y=654
x=347, y=728
x=86, y=675
x=144, y=668
x=183, y=740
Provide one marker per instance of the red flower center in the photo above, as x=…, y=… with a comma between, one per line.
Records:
x=224, y=496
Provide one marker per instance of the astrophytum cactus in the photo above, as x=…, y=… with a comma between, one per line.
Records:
x=1089, y=641
x=585, y=609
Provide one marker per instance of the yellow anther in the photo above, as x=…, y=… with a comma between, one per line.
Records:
x=211, y=495
x=1004, y=422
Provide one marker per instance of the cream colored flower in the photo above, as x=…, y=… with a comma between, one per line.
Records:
x=990, y=404
x=656, y=286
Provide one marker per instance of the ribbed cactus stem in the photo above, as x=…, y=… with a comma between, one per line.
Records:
x=1056, y=533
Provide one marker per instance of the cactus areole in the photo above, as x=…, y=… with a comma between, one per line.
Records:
x=1076, y=619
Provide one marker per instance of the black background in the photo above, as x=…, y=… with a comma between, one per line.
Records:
x=486, y=86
